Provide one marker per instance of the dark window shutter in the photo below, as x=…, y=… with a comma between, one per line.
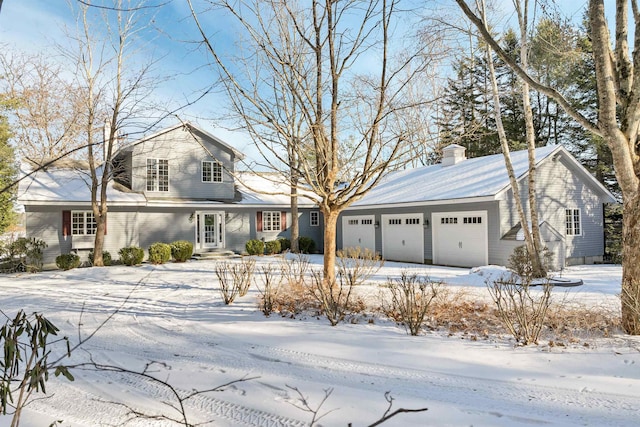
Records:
x=283, y=220
x=259, y=221
x=66, y=223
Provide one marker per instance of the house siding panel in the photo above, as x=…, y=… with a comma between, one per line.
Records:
x=185, y=155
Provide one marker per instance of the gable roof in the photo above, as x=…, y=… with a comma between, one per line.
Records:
x=472, y=180
x=193, y=128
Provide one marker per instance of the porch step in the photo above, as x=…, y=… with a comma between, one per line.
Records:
x=215, y=255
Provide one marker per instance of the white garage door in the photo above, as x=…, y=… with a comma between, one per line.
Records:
x=403, y=237
x=460, y=238
x=359, y=231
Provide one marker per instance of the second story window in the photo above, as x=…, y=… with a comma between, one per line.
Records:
x=211, y=171
x=157, y=175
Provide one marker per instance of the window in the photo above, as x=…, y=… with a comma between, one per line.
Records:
x=451, y=220
x=395, y=221
x=412, y=221
x=572, y=220
x=83, y=223
x=271, y=221
x=211, y=171
x=367, y=222
x=473, y=220
x=157, y=175
x=315, y=219
x=353, y=222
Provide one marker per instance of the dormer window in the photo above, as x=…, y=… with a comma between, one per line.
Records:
x=157, y=175
x=211, y=171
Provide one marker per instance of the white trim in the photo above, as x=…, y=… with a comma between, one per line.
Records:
x=271, y=215
x=213, y=174
x=566, y=229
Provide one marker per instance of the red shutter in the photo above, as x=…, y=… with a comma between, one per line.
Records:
x=66, y=223
x=283, y=220
x=259, y=221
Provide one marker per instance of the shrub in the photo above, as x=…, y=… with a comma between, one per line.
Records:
x=285, y=244
x=67, y=261
x=520, y=262
x=235, y=278
x=356, y=265
x=523, y=312
x=181, y=250
x=410, y=299
x=159, y=253
x=255, y=247
x=272, y=247
x=132, y=255
x=106, y=257
x=306, y=245
x=336, y=299
x=24, y=254
x=270, y=289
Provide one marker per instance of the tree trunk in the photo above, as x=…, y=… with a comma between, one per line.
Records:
x=99, y=240
x=295, y=226
x=330, y=223
x=631, y=264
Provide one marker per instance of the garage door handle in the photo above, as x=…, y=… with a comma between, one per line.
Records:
x=359, y=240
x=403, y=243
x=460, y=245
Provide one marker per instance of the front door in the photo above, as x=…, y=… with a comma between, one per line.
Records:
x=210, y=230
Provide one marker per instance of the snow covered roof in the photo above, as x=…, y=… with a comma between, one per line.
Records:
x=475, y=179
x=66, y=186
x=269, y=188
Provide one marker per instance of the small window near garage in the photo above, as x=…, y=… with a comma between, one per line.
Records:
x=367, y=222
x=573, y=222
x=83, y=223
x=211, y=171
x=395, y=221
x=412, y=221
x=353, y=222
x=315, y=218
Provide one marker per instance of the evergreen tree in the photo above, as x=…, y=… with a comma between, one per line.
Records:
x=7, y=176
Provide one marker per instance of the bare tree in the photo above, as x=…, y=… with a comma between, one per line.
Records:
x=113, y=95
x=618, y=121
x=43, y=106
x=334, y=62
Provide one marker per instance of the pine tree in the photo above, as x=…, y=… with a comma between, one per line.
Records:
x=7, y=176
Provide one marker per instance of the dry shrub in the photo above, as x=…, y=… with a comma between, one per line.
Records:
x=336, y=298
x=458, y=312
x=235, y=278
x=356, y=265
x=270, y=288
x=575, y=322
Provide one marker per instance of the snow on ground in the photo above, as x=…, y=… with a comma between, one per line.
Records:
x=174, y=315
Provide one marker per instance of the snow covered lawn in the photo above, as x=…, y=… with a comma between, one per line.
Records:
x=174, y=316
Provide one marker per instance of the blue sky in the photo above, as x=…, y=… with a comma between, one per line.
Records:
x=36, y=25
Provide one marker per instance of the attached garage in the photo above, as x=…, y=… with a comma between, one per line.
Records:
x=403, y=237
x=359, y=231
x=460, y=238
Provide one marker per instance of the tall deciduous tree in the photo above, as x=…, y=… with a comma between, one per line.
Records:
x=45, y=110
x=346, y=84
x=114, y=94
x=618, y=122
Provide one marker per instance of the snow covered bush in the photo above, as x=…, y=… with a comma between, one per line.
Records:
x=131, y=255
x=181, y=250
x=106, y=257
x=520, y=261
x=272, y=247
x=67, y=261
x=159, y=253
x=411, y=296
x=336, y=299
x=255, y=247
